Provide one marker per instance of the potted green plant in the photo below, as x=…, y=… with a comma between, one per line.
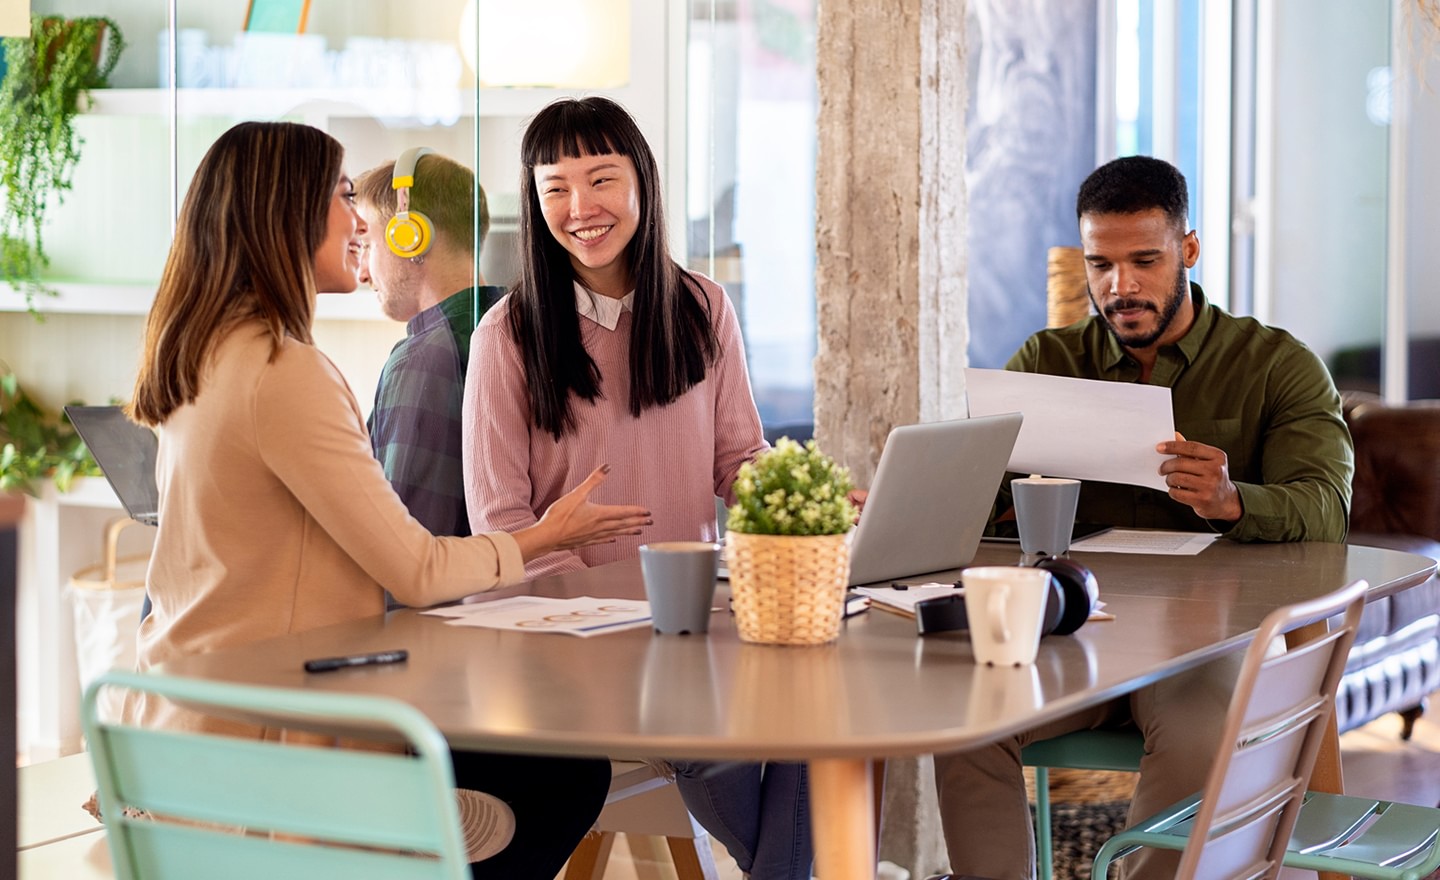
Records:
x=37, y=445
x=46, y=74
x=786, y=545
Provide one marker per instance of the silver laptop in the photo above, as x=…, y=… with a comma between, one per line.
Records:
x=126, y=453
x=931, y=497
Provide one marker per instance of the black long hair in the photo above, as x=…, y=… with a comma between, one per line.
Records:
x=672, y=341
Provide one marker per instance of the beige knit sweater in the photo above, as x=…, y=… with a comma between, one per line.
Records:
x=275, y=517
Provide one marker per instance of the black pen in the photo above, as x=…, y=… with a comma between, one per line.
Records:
x=328, y=664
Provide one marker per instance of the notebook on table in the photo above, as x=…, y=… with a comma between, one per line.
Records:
x=126, y=453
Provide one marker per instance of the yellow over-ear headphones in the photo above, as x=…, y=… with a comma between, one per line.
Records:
x=408, y=233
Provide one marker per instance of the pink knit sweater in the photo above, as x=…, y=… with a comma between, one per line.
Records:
x=674, y=460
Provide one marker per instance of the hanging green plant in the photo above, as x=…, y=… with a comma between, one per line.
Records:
x=45, y=75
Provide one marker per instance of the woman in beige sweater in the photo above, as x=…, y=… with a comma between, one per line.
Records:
x=274, y=515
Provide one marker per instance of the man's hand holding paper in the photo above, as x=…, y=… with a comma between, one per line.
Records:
x=1199, y=476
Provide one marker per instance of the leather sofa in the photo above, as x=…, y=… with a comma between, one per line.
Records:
x=1395, y=662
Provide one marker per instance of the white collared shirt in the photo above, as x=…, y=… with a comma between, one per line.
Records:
x=603, y=310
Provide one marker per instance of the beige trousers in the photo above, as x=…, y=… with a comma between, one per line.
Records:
x=983, y=808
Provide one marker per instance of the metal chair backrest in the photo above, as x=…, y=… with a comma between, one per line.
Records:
x=183, y=804
x=1278, y=714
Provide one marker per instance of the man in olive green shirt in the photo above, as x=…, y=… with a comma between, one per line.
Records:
x=1262, y=455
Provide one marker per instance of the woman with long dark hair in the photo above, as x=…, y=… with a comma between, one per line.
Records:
x=608, y=350
x=274, y=516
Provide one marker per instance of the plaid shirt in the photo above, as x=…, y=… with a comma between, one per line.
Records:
x=415, y=425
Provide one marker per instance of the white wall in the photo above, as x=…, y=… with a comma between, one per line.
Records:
x=1330, y=175
x=1422, y=205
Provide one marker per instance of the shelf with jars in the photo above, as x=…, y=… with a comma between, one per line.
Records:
x=92, y=298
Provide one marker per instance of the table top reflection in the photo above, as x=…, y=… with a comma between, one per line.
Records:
x=878, y=691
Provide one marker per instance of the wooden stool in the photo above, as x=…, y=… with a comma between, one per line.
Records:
x=642, y=802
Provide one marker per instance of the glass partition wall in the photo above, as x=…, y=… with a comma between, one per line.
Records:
x=723, y=89
x=459, y=76
x=379, y=76
x=750, y=206
x=1305, y=128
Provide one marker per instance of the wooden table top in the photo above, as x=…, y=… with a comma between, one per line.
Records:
x=878, y=691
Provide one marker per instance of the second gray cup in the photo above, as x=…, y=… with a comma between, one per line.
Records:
x=1045, y=513
x=680, y=584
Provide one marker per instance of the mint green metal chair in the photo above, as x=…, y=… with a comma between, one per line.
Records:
x=1240, y=825
x=221, y=807
x=1081, y=750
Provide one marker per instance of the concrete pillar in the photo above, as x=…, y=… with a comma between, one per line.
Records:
x=890, y=207
x=890, y=271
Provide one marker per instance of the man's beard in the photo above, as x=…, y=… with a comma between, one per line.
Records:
x=1144, y=340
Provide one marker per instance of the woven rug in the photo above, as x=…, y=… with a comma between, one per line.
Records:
x=1086, y=808
x=1080, y=830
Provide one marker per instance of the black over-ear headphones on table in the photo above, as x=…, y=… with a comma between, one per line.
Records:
x=1073, y=594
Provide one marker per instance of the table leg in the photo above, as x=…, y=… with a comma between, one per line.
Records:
x=1327, y=775
x=842, y=816
x=877, y=776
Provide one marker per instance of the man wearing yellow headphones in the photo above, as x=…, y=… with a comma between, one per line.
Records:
x=420, y=258
x=420, y=261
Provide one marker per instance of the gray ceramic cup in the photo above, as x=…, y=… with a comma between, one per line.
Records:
x=1045, y=513
x=680, y=584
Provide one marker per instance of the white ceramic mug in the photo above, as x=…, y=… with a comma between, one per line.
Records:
x=1006, y=608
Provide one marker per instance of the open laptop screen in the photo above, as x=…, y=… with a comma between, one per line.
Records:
x=126, y=454
x=931, y=496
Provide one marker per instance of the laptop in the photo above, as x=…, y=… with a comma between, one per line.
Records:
x=931, y=497
x=126, y=453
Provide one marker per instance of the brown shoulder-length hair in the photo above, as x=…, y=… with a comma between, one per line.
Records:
x=244, y=248
x=672, y=340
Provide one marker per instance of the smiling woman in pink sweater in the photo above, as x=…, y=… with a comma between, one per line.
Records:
x=607, y=350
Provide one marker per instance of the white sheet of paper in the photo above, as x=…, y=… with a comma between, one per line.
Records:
x=1154, y=542
x=1083, y=429
x=489, y=606
x=582, y=616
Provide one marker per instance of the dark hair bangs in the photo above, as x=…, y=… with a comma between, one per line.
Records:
x=570, y=131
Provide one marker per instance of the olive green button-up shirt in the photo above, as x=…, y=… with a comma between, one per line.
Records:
x=1254, y=391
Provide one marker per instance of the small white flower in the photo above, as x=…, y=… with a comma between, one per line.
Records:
x=792, y=489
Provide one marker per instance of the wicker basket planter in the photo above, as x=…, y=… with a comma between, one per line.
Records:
x=788, y=589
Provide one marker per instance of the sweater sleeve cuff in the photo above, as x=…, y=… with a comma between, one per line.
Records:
x=507, y=551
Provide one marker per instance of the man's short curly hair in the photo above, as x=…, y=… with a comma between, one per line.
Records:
x=1132, y=184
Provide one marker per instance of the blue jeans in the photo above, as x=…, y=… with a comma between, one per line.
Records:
x=760, y=812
